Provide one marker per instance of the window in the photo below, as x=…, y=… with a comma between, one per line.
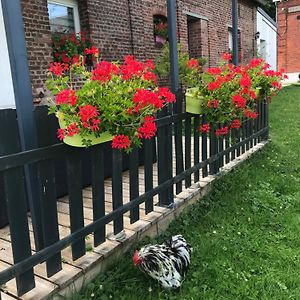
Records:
x=230, y=42
x=160, y=30
x=63, y=16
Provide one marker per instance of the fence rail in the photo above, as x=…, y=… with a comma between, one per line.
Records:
x=196, y=155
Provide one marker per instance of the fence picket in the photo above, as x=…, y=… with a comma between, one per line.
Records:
x=134, y=183
x=74, y=174
x=117, y=190
x=47, y=189
x=98, y=192
x=204, y=147
x=187, y=152
x=164, y=144
x=19, y=230
x=213, y=149
x=196, y=146
x=148, y=172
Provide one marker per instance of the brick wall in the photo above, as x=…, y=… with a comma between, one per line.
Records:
x=289, y=36
x=38, y=39
x=121, y=27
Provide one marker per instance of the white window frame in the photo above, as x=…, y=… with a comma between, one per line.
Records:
x=73, y=4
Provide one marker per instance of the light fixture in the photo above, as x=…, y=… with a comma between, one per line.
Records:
x=256, y=36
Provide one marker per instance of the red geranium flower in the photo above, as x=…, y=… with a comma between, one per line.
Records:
x=205, y=128
x=213, y=103
x=72, y=129
x=120, y=141
x=214, y=71
x=193, y=64
x=57, y=68
x=66, y=97
x=236, y=123
x=239, y=101
x=60, y=134
x=93, y=50
x=222, y=131
x=227, y=56
x=166, y=94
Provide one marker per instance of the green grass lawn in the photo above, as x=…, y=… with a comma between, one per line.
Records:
x=245, y=234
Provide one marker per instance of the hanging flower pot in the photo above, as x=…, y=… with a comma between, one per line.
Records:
x=117, y=101
x=76, y=140
x=193, y=101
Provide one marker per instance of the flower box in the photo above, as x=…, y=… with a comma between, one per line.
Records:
x=193, y=101
x=76, y=140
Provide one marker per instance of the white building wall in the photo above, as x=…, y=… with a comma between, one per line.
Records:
x=267, y=41
x=7, y=98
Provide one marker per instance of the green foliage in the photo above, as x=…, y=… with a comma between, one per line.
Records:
x=270, y=8
x=245, y=234
x=66, y=46
x=188, y=76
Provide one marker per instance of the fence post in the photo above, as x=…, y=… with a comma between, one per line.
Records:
x=12, y=15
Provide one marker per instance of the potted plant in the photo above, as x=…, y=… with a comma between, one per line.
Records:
x=231, y=93
x=117, y=101
x=190, y=73
x=68, y=47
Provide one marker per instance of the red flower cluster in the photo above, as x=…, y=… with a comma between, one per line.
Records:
x=121, y=141
x=205, y=128
x=89, y=117
x=213, y=103
x=93, y=50
x=104, y=71
x=57, y=68
x=236, y=124
x=250, y=114
x=227, y=56
x=134, y=68
x=222, y=131
x=214, y=71
x=148, y=129
x=239, y=101
x=193, y=64
x=66, y=97
x=143, y=98
x=166, y=95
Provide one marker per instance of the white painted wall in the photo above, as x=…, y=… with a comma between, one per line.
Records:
x=7, y=98
x=267, y=41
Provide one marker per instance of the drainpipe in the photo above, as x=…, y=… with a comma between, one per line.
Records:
x=235, y=54
x=130, y=27
x=174, y=70
x=13, y=22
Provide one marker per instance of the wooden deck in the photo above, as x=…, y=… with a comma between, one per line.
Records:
x=75, y=273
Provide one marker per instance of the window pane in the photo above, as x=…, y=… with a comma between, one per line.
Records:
x=61, y=18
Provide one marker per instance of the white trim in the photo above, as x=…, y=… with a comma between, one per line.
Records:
x=7, y=96
x=195, y=15
x=73, y=4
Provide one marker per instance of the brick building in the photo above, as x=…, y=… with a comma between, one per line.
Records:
x=288, y=19
x=120, y=27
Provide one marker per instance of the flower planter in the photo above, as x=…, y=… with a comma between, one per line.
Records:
x=193, y=101
x=76, y=140
x=258, y=92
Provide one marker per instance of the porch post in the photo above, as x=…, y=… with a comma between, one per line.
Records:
x=172, y=32
x=235, y=35
x=14, y=27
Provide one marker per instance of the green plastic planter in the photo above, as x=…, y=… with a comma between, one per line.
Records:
x=76, y=140
x=193, y=101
